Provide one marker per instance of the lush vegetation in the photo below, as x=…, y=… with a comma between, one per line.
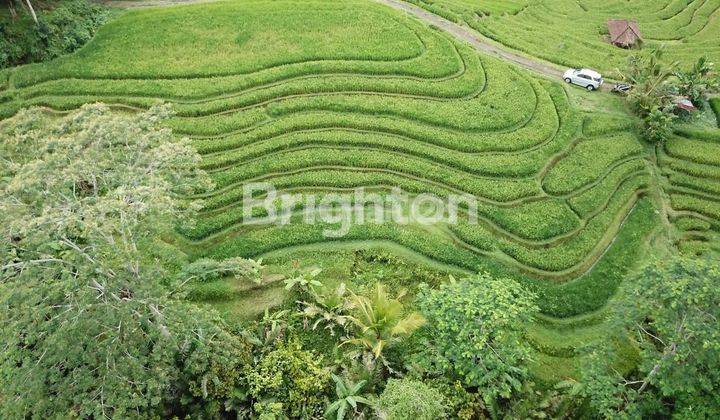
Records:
x=61, y=28
x=88, y=325
x=492, y=131
x=123, y=235
x=672, y=307
x=474, y=334
x=575, y=33
x=258, y=120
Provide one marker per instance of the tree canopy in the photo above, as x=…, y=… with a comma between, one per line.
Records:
x=672, y=310
x=87, y=324
x=474, y=332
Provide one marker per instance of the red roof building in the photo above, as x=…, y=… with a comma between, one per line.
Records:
x=624, y=33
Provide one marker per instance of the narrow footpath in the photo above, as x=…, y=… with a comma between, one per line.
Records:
x=479, y=43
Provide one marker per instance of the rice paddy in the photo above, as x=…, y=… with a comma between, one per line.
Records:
x=689, y=161
x=574, y=33
x=286, y=92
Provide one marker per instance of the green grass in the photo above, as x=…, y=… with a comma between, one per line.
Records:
x=573, y=33
x=715, y=105
x=217, y=43
x=564, y=177
x=690, y=163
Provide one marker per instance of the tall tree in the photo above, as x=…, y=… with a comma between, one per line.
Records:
x=672, y=309
x=474, y=333
x=86, y=328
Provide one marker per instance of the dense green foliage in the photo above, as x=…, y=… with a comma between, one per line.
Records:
x=293, y=378
x=88, y=327
x=407, y=398
x=287, y=92
x=474, y=333
x=61, y=29
x=411, y=108
x=672, y=308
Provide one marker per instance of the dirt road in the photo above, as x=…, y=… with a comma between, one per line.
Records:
x=469, y=36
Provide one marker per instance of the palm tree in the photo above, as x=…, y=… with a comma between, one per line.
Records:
x=379, y=321
x=348, y=395
x=648, y=75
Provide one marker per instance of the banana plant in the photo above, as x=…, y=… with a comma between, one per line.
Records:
x=348, y=396
x=305, y=281
x=268, y=330
x=328, y=308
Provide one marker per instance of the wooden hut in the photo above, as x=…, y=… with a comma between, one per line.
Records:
x=624, y=33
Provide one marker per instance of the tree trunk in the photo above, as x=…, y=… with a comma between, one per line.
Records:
x=11, y=8
x=32, y=11
x=656, y=368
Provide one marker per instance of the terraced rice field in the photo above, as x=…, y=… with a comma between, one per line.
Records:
x=288, y=93
x=690, y=161
x=573, y=32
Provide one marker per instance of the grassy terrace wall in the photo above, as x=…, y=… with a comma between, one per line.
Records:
x=289, y=93
x=573, y=33
x=690, y=161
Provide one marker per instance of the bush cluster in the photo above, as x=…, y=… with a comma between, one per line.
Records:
x=60, y=30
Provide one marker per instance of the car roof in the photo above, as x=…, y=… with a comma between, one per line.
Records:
x=591, y=73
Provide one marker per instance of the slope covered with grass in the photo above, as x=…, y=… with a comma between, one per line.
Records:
x=287, y=92
x=690, y=162
x=574, y=33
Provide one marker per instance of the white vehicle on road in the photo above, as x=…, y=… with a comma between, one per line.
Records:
x=589, y=79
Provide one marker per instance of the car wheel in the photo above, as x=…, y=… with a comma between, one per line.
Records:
x=590, y=88
x=567, y=80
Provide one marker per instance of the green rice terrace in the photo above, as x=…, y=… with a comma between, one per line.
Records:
x=571, y=198
x=574, y=33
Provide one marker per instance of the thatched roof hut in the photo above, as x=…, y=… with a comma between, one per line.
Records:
x=624, y=33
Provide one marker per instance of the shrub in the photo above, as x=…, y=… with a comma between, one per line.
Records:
x=474, y=333
x=657, y=124
x=411, y=399
x=715, y=105
x=60, y=31
x=293, y=377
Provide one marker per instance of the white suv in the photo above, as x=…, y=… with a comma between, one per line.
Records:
x=586, y=78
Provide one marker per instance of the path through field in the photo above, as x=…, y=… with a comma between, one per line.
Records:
x=474, y=39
